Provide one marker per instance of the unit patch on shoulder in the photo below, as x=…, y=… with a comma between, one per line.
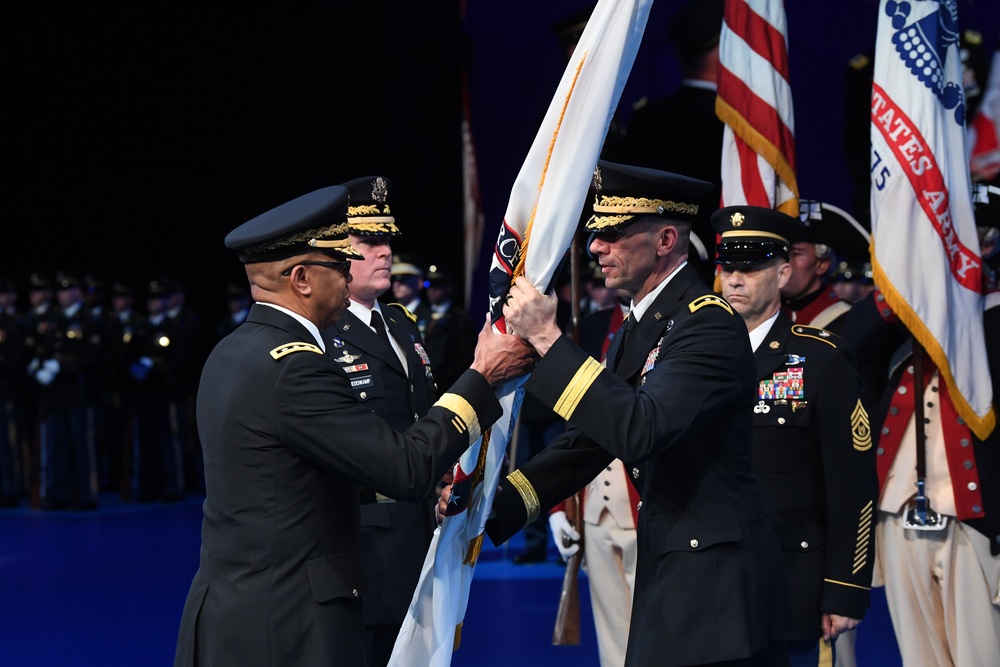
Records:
x=814, y=332
x=413, y=318
x=710, y=300
x=288, y=348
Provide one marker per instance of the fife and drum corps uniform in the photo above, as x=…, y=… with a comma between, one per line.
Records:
x=286, y=446
x=813, y=452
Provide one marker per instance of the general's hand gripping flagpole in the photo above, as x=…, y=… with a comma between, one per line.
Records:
x=543, y=212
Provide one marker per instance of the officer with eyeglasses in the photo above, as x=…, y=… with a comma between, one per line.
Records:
x=287, y=444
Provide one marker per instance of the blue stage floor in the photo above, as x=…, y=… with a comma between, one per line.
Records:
x=106, y=588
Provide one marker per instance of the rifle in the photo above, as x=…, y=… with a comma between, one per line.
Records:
x=567, y=628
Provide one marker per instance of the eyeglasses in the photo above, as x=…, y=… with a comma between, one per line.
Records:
x=344, y=268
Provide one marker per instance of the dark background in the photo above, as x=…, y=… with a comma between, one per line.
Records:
x=136, y=135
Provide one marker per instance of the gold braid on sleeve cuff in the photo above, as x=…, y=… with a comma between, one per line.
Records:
x=465, y=418
x=532, y=506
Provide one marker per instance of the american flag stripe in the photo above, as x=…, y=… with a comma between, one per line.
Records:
x=755, y=103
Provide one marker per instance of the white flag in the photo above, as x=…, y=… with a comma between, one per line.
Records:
x=542, y=215
x=925, y=250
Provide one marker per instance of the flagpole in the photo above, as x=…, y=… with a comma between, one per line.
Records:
x=921, y=516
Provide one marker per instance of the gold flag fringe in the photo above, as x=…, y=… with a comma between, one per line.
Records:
x=982, y=426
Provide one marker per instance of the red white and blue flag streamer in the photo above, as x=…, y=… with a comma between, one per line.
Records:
x=925, y=249
x=755, y=103
x=541, y=218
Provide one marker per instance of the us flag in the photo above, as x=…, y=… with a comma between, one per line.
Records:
x=755, y=103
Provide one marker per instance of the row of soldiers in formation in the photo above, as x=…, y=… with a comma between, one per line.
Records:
x=97, y=390
x=98, y=381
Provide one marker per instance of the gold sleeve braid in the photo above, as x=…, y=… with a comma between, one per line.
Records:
x=577, y=387
x=532, y=506
x=465, y=418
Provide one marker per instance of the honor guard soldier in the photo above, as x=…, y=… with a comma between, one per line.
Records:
x=938, y=519
x=408, y=289
x=829, y=232
x=381, y=349
x=159, y=386
x=124, y=344
x=67, y=374
x=37, y=321
x=288, y=442
x=450, y=335
x=12, y=364
x=674, y=404
x=812, y=442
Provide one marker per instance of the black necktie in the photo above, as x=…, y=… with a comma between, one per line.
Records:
x=378, y=324
x=630, y=324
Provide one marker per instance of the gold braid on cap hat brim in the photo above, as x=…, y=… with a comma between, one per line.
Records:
x=317, y=238
x=368, y=226
x=623, y=209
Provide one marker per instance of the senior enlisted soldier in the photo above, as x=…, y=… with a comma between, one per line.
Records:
x=812, y=442
x=287, y=444
x=380, y=347
x=675, y=404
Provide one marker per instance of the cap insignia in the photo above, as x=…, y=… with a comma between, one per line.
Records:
x=737, y=219
x=598, y=179
x=380, y=189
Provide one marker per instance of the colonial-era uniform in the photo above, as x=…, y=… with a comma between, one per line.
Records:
x=941, y=585
x=677, y=409
x=813, y=453
x=287, y=445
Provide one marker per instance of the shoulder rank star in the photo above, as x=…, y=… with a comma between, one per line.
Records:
x=348, y=358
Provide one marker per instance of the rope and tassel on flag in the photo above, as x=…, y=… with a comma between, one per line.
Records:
x=543, y=212
x=925, y=249
x=755, y=104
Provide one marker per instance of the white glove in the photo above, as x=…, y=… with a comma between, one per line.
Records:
x=44, y=376
x=51, y=365
x=564, y=535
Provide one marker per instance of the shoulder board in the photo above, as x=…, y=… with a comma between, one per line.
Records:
x=816, y=333
x=413, y=318
x=288, y=348
x=710, y=300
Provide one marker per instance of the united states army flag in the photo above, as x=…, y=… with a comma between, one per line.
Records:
x=925, y=250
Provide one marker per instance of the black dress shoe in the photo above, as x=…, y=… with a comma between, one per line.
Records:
x=529, y=557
